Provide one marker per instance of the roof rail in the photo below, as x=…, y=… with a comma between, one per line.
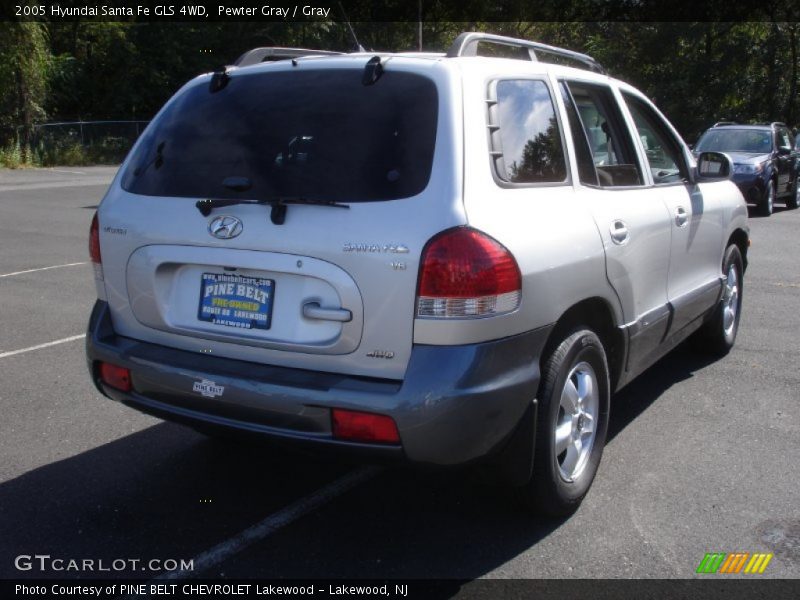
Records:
x=259, y=55
x=466, y=44
x=723, y=123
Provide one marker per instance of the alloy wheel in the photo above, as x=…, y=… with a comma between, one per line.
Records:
x=576, y=424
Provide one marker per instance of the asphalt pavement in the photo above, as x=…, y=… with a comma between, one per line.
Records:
x=703, y=455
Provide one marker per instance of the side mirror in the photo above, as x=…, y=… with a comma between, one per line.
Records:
x=784, y=150
x=714, y=166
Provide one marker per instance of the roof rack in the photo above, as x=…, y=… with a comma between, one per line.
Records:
x=259, y=55
x=466, y=44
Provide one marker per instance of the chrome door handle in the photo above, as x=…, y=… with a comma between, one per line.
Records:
x=313, y=310
x=681, y=216
x=619, y=232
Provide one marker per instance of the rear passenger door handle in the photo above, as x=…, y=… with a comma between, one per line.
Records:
x=313, y=310
x=619, y=232
x=681, y=217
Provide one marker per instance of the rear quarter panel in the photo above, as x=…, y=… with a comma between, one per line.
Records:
x=553, y=238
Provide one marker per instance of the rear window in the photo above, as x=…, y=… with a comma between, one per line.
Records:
x=313, y=133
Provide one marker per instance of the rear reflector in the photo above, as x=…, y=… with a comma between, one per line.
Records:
x=364, y=427
x=116, y=377
x=465, y=273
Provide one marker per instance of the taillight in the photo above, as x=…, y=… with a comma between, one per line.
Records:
x=465, y=273
x=94, y=247
x=364, y=427
x=116, y=377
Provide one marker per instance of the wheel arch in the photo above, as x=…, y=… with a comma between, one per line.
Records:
x=742, y=240
x=596, y=314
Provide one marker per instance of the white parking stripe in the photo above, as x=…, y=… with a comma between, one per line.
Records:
x=44, y=269
x=40, y=346
x=274, y=522
x=70, y=172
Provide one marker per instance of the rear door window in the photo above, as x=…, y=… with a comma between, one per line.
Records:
x=312, y=133
x=605, y=131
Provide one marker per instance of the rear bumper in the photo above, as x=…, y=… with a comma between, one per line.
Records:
x=457, y=404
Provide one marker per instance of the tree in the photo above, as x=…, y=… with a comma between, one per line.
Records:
x=24, y=62
x=542, y=157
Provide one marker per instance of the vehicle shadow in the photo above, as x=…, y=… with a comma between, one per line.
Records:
x=635, y=398
x=168, y=492
x=165, y=491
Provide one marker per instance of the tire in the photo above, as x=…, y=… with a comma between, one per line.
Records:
x=562, y=475
x=793, y=200
x=768, y=201
x=718, y=335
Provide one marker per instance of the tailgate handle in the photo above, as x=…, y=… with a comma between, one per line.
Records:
x=312, y=310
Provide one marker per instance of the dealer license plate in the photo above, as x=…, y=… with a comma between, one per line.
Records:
x=236, y=301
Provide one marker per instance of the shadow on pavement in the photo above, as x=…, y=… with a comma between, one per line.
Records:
x=167, y=492
x=635, y=398
x=164, y=492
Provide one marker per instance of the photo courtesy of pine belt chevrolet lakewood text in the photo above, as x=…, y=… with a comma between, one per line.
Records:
x=447, y=260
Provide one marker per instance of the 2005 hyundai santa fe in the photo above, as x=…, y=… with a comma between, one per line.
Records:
x=448, y=259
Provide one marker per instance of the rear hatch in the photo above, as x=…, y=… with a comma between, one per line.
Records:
x=322, y=195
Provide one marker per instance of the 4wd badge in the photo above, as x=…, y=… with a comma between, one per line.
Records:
x=208, y=388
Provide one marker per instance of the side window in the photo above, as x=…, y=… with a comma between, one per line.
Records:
x=526, y=139
x=605, y=132
x=583, y=153
x=663, y=151
x=783, y=138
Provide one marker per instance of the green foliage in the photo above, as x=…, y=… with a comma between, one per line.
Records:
x=697, y=73
x=13, y=156
x=24, y=66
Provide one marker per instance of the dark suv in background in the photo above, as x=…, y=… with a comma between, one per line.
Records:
x=764, y=162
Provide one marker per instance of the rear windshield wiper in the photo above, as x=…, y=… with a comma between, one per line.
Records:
x=278, y=212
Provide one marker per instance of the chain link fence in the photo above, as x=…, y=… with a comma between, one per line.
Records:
x=83, y=142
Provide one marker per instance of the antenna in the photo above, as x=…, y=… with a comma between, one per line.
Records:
x=359, y=47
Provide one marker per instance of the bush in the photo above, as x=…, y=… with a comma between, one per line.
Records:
x=12, y=157
x=56, y=148
x=68, y=151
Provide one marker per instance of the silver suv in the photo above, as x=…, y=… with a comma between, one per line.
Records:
x=448, y=259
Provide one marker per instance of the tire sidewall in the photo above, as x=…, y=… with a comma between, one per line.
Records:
x=583, y=346
x=733, y=256
x=769, y=198
x=793, y=200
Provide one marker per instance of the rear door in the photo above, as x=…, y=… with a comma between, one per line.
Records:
x=327, y=287
x=633, y=223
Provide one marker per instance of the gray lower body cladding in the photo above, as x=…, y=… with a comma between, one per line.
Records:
x=456, y=405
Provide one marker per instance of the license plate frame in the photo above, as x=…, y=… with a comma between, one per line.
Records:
x=236, y=301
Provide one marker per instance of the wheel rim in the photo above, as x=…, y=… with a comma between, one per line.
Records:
x=730, y=302
x=576, y=425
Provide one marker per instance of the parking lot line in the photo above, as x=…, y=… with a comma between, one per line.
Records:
x=44, y=269
x=40, y=346
x=263, y=529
